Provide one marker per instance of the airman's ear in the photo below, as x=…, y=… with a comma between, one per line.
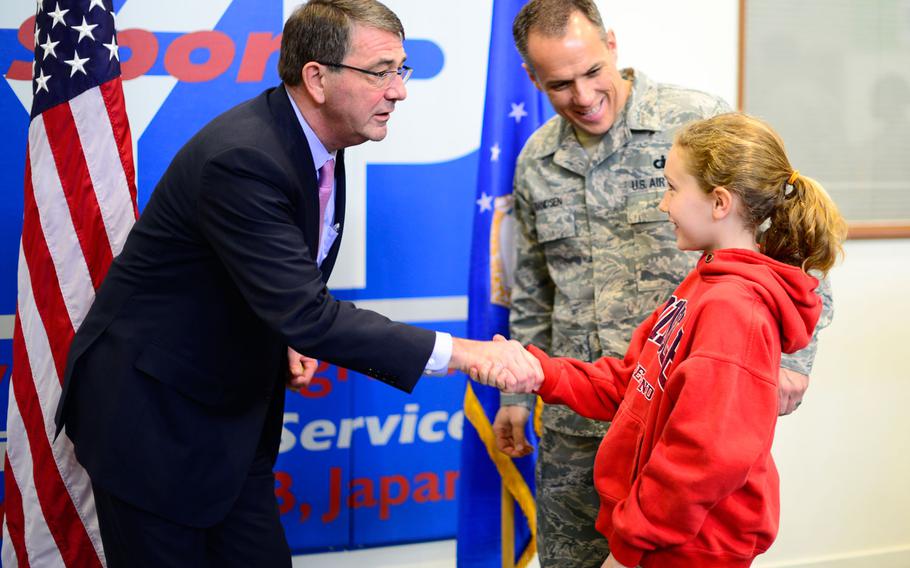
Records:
x=611, y=45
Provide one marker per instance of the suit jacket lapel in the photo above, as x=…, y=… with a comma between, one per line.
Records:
x=301, y=158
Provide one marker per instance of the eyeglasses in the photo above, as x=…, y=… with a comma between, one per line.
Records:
x=382, y=79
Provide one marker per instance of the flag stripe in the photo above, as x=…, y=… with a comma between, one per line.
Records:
x=112, y=92
x=41, y=364
x=13, y=527
x=105, y=165
x=37, y=344
x=51, y=301
x=60, y=514
x=70, y=159
x=57, y=226
x=39, y=547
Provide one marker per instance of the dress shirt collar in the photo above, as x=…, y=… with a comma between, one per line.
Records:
x=317, y=149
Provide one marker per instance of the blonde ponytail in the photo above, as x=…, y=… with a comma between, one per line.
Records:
x=806, y=228
x=801, y=223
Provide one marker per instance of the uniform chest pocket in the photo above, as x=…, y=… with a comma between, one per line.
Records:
x=659, y=265
x=643, y=208
x=555, y=223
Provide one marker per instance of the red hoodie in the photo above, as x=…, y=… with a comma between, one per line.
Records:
x=685, y=474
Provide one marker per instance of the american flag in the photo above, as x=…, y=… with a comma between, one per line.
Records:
x=79, y=205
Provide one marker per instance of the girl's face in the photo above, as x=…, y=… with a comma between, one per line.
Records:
x=688, y=206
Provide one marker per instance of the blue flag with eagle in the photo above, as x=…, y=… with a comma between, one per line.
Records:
x=496, y=512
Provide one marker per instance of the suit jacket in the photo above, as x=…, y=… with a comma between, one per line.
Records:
x=176, y=377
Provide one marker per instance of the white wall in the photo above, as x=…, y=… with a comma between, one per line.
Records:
x=693, y=43
x=844, y=457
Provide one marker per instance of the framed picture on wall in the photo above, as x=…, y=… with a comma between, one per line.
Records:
x=833, y=79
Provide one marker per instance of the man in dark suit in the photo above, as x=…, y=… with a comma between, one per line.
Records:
x=174, y=390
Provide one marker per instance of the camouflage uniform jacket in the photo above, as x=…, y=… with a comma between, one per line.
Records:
x=594, y=253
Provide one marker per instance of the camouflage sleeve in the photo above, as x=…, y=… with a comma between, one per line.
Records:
x=802, y=361
x=526, y=400
x=530, y=315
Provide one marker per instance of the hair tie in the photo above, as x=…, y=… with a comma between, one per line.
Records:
x=793, y=177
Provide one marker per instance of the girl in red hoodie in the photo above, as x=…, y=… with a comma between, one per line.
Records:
x=685, y=474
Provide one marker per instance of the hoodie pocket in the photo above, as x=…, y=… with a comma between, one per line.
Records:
x=618, y=455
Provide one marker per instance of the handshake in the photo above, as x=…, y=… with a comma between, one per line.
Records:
x=500, y=363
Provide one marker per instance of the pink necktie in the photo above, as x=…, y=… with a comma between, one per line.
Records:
x=326, y=183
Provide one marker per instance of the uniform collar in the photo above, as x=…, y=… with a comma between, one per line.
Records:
x=643, y=110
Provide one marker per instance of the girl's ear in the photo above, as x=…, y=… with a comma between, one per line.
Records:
x=722, y=203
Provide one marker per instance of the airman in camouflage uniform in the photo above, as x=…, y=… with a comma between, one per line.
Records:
x=595, y=256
